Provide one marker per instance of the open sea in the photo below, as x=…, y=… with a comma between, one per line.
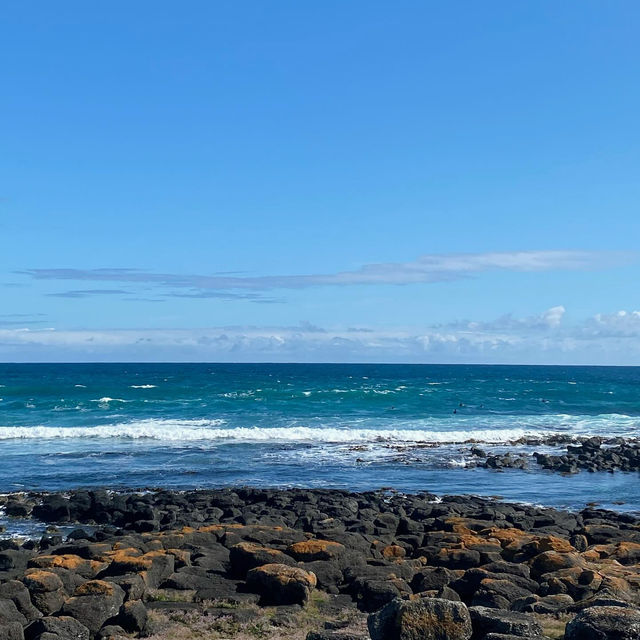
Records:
x=357, y=427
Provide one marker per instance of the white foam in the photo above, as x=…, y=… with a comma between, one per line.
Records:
x=210, y=430
x=430, y=430
x=143, y=386
x=107, y=400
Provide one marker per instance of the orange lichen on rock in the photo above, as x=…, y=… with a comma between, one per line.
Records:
x=70, y=562
x=394, y=551
x=553, y=543
x=41, y=581
x=95, y=588
x=314, y=549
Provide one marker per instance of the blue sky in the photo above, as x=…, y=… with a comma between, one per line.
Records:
x=342, y=181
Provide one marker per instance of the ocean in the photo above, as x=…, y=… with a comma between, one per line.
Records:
x=357, y=427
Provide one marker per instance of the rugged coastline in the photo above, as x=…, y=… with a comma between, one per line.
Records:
x=325, y=564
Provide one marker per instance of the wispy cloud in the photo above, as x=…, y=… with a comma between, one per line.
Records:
x=21, y=319
x=425, y=269
x=224, y=295
x=87, y=293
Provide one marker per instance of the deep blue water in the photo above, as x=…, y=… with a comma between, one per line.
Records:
x=351, y=426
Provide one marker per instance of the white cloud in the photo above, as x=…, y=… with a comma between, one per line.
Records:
x=543, y=338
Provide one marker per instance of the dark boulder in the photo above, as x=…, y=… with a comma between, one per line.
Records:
x=605, y=623
x=94, y=602
x=133, y=616
x=423, y=619
x=487, y=620
x=281, y=584
x=62, y=628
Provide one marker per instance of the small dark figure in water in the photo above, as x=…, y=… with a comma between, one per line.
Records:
x=455, y=411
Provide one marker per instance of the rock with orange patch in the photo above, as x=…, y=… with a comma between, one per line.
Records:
x=314, y=549
x=247, y=555
x=46, y=590
x=153, y=566
x=457, y=558
x=182, y=557
x=95, y=588
x=552, y=561
x=457, y=525
x=553, y=543
x=394, y=552
x=591, y=555
x=477, y=543
x=38, y=580
x=81, y=566
x=93, y=603
x=627, y=552
x=507, y=536
x=281, y=584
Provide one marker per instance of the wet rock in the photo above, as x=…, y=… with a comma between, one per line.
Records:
x=423, y=619
x=54, y=508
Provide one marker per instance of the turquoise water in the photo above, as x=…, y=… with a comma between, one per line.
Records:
x=353, y=426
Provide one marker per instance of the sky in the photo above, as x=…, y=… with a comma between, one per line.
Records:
x=291, y=181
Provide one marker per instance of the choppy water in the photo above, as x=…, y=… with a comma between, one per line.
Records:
x=352, y=426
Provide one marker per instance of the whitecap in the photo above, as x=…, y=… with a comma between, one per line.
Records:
x=143, y=386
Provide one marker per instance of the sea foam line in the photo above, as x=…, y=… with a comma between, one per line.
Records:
x=186, y=431
x=428, y=431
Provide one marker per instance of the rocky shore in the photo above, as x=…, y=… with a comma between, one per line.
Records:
x=590, y=454
x=320, y=564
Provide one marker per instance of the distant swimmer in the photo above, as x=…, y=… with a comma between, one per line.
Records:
x=455, y=411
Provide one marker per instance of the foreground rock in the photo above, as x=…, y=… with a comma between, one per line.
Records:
x=423, y=567
x=281, y=584
x=423, y=619
x=605, y=623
